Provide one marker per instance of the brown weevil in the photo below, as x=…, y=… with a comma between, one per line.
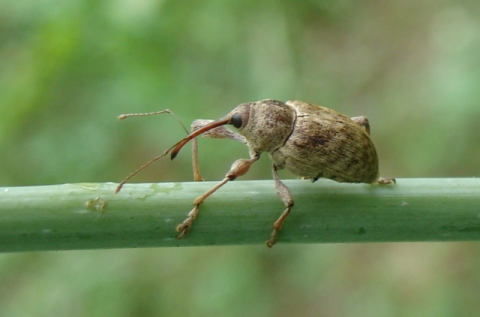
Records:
x=309, y=140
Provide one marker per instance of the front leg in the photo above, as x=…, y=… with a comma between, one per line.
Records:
x=239, y=167
x=217, y=133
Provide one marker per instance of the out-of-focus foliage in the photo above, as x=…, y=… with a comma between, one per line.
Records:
x=68, y=68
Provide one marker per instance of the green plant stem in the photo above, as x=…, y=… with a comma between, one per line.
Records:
x=91, y=216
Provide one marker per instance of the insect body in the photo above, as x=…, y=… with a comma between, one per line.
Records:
x=309, y=140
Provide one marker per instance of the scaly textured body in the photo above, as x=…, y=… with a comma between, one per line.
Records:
x=325, y=143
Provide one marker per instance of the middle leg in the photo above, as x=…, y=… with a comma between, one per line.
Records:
x=284, y=193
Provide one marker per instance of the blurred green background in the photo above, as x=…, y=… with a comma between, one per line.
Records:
x=68, y=68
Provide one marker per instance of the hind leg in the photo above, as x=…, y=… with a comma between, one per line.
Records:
x=385, y=181
x=363, y=122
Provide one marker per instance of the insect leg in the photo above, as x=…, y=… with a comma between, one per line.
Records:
x=197, y=176
x=363, y=122
x=385, y=181
x=221, y=132
x=146, y=114
x=284, y=193
x=239, y=167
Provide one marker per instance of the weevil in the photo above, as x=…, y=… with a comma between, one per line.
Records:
x=309, y=140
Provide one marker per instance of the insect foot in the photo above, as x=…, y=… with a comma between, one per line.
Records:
x=385, y=181
x=284, y=193
x=309, y=140
x=187, y=224
x=239, y=167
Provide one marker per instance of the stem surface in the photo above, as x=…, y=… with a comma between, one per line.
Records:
x=90, y=216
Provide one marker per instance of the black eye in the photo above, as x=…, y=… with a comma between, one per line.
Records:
x=236, y=120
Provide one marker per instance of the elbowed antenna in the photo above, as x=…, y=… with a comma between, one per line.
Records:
x=146, y=114
x=142, y=168
x=177, y=147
